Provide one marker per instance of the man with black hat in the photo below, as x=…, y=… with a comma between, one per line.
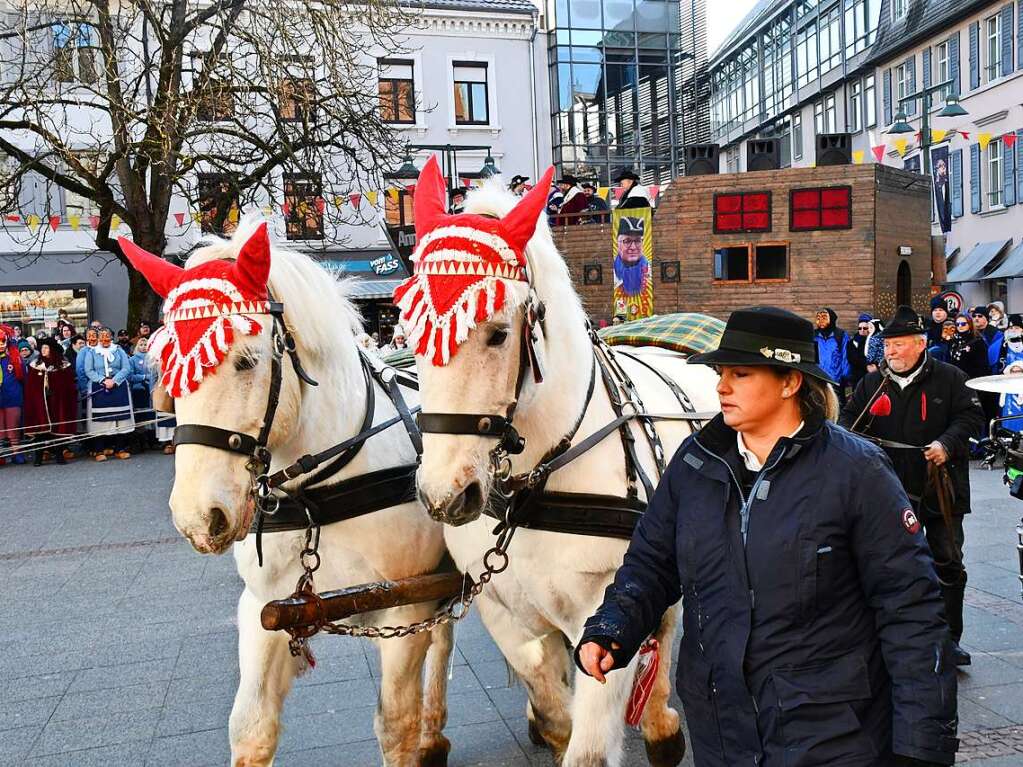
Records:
x=595, y=204
x=812, y=621
x=518, y=185
x=634, y=195
x=457, y=197
x=923, y=415
x=575, y=201
x=633, y=293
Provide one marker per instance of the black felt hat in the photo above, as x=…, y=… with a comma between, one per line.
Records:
x=906, y=322
x=766, y=335
x=626, y=175
x=631, y=226
x=516, y=180
x=458, y=190
x=567, y=179
x=982, y=311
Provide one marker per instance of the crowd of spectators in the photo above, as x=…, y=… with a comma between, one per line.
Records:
x=66, y=394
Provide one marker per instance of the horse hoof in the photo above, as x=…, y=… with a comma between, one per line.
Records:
x=535, y=737
x=666, y=752
x=435, y=756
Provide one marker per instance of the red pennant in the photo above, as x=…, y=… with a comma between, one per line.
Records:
x=54, y=222
x=13, y=218
x=882, y=406
x=618, y=192
x=180, y=218
x=94, y=222
x=321, y=205
x=466, y=182
x=655, y=189
x=878, y=152
x=919, y=135
x=356, y=199
x=411, y=189
x=286, y=208
x=965, y=134
x=1009, y=139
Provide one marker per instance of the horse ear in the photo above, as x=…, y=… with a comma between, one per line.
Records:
x=431, y=198
x=162, y=275
x=253, y=263
x=521, y=221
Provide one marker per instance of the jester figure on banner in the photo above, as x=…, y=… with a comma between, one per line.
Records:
x=632, y=247
x=942, y=189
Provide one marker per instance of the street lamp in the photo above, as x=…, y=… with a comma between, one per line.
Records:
x=407, y=172
x=902, y=125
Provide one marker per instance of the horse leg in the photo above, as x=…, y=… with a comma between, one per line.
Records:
x=267, y=669
x=541, y=662
x=397, y=722
x=598, y=719
x=662, y=731
x=433, y=746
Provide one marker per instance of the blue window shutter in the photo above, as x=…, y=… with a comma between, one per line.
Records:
x=1006, y=40
x=1008, y=175
x=953, y=61
x=974, y=55
x=957, y=183
x=886, y=88
x=1019, y=35
x=911, y=67
x=1019, y=166
x=927, y=74
x=975, y=192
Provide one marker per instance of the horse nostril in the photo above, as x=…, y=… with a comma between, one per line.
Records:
x=473, y=496
x=218, y=522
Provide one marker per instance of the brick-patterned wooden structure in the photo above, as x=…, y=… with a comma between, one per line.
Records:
x=851, y=270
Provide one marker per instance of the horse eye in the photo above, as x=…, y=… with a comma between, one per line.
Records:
x=245, y=362
x=498, y=337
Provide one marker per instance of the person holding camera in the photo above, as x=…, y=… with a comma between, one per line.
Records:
x=923, y=415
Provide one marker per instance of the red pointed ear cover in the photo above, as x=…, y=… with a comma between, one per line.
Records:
x=464, y=267
x=205, y=307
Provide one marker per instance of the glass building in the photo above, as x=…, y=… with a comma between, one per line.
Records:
x=619, y=74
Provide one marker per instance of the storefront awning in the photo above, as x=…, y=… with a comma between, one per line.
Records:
x=364, y=290
x=1011, y=267
x=378, y=272
x=971, y=268
x=951, y=251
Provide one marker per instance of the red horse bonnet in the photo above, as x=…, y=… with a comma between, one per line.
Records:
x=463, y=265
x=204, y=307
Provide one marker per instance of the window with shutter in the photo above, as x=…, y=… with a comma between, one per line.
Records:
x=953, y=62
x=1019, y=166
x=956, y=180
x=1019, y=34
x=974, y=55
x=1005, y=32
x=992, y=48
x=926, y=70
x=911, y=84
x=976, y=195
x=886, y=96
x=1008, y=173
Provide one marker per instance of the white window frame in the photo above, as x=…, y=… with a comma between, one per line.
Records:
x=992, y=47
x=899, y=9
x=797, y=136
x=493, y=88
x=869, y=101
x=901, y=84
x=818, y=118
x=855, y=120
x=994, y=173
x=75, y=34
x=942, y=65
x=830, y=114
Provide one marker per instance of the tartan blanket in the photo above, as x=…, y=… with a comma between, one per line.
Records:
x=686, y=332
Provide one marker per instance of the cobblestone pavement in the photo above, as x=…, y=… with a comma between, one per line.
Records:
x=118, y=643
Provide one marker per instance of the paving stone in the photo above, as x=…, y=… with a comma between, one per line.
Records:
x=194, y=749
x=1005, y=700
x=41, y=686
x=108, y=756
x=126, y=675
x=83, y=705
x=326, y=729
x=491, y=743
x=19, y=714
x=365, y=753
x=197, y=716
x=15, y=744
x=96, y=732
x=329, y=697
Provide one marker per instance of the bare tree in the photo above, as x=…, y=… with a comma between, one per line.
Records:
x=130, y=106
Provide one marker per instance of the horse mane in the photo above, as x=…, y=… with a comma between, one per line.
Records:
x=316, y=303
x=553, y=282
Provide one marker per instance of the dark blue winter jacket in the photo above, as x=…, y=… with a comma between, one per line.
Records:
x=832, y=351
x=821, y=639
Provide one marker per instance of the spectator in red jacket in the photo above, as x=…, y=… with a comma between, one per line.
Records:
x=575, y=202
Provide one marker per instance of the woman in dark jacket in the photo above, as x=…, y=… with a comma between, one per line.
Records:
x=51, y=400
x=813, y=628
x=968, y=350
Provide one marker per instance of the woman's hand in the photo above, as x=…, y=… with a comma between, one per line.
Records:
x=596, y=660
x=108, y=383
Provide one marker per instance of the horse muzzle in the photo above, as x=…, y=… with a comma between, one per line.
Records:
x=455, y=509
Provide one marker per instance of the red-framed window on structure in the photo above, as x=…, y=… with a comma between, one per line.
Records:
x=828, y=207
x=740, y=212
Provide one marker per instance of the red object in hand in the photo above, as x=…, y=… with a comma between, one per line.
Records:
x=882, y=406
x=643, y=684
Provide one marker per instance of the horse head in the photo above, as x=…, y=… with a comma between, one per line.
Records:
x=214, y=356
x=464, y=311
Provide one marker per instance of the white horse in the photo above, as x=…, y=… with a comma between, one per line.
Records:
x=212, y=501
x=555, y=581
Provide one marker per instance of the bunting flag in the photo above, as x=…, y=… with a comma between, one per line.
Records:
x=878, y=152
x=919, y=135
x=268, y=211
x=355, y=199
x=964, y=134
x=33, y=223
x=180, y=218
x=321, y=205
x=901, y=146
x=372, y=197
x=618, y=192
x=75, y=221
x=857, y=156
x=339, y=200
x=115, y=222
x=602, y=192
x=937, y=135
x=286, y=207
x=197, y=217
x=54, y=222
x=411, y=190
x=1009, y=139
x=94, y=222
x=984, y=139
x=232, y=215
x=12, y=218
x=466, y=182
x=655, y=189
x=393, y=194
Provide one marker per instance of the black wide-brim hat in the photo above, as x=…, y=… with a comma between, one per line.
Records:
x=905, y=322
x=626, y=175
x=566, y=179
x=767, y=335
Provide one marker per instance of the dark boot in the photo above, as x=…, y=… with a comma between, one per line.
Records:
x=38, y=460
x=954, y=614
x=61, y=460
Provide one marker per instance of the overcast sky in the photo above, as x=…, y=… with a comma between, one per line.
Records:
x=722, y=17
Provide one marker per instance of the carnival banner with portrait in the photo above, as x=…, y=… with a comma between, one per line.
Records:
x=632, y=250
x=942, y=187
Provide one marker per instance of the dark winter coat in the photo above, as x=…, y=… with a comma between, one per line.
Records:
x=994, y=338
x=574, y=204
x=937, y=405
x=51, y=399
x=832, y=354
x=970, y=355
x=636, y=197
x=856, y=351
x=821, y=639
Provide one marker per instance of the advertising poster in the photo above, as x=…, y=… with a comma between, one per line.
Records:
x=942, y=189
x=632, y=248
